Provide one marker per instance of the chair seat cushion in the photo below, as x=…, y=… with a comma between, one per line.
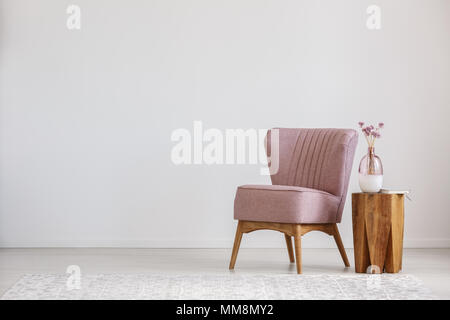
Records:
x=285, y=204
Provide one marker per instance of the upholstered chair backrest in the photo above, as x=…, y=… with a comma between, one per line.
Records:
x=320, y=159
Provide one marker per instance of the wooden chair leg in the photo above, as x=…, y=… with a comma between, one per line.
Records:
x=237, y=243
x=289, y=247
x=298, y=248
x=337, y=238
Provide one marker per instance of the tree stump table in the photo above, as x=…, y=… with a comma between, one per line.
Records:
x=378, y=232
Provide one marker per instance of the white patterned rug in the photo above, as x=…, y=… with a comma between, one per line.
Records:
x=213, y=286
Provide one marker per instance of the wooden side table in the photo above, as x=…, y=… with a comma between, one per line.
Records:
x=378, y=231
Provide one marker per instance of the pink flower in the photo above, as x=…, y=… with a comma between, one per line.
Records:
x=370, y=132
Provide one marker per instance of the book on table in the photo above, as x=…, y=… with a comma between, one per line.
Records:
x=395, y=191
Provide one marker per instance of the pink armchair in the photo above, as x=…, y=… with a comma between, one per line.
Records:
x=307, y=193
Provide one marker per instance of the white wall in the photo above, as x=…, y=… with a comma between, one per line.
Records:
x=86, y=116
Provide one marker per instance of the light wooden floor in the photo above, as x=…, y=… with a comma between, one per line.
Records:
x=429, y=265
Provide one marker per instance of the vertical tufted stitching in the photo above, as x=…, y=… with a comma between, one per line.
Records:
x=315, y=158
x=295, y=158
x=322, y=159
x=348, y=169
x=325, y=160
x=321, y=156
x=308, y=163
x=308, y=156
x=291, y=159
x=303, y=156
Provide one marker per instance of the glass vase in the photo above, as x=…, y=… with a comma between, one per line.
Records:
x=370, y=172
